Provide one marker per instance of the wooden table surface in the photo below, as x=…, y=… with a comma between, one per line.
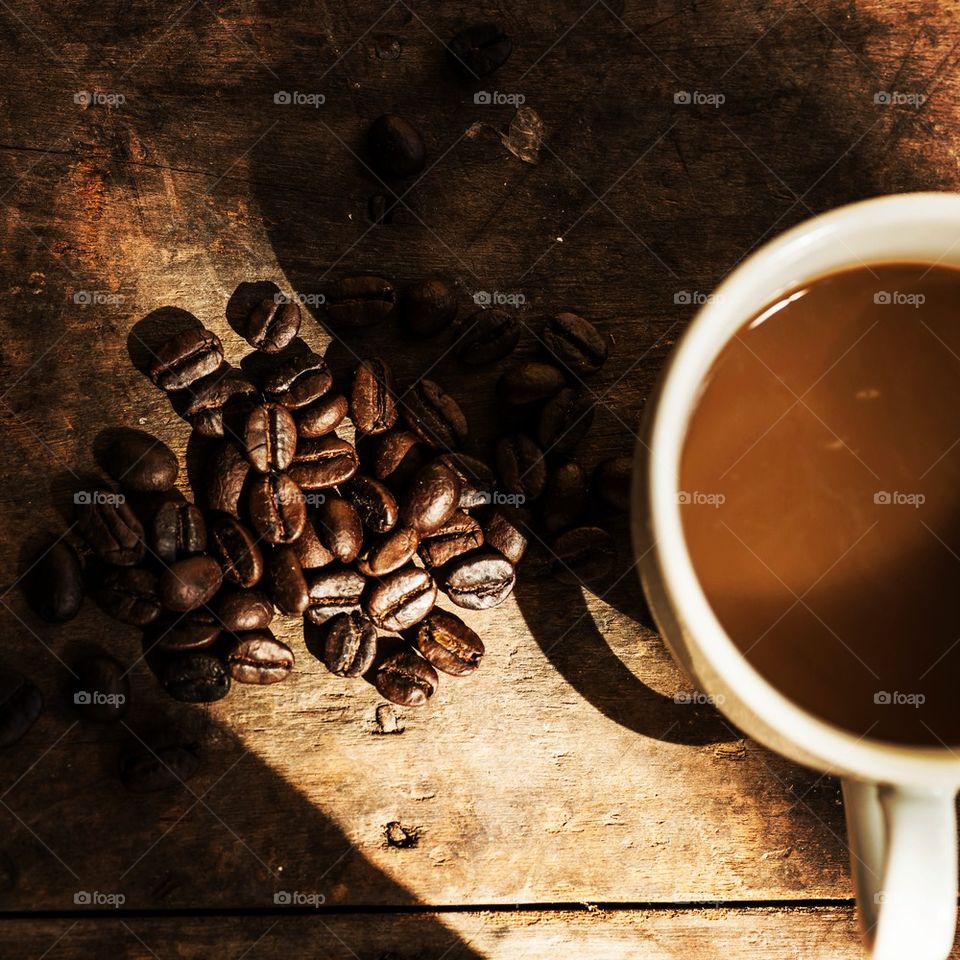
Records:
x=561, y=802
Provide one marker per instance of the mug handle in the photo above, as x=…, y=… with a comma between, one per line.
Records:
x=903, y=857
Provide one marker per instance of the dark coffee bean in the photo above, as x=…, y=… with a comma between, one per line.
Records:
x=476, y=479
x=611, y=482
x=434, y=416
x=333, y=591
x=191, y=631
x=361, y=301
x=310, y=549
x=372, y=405
x=395, y=456
x=565, y=496
x=286, y=583
x=401, y=599
x=109, y=525
x=272, y=324
x=259, y=657
x=185, y=358
x=505, y=531
x=575, y=343
x=298, y=381
x=582, y=555
x=323, y=463
x=53, y=584
x=218, y=405
x=237, y=550
x=242, y=610
x=270, y=438
x=447, y=642
x=188, y=584
x=177, y=530
x=130, y=595
x=195, y=678
x=427, y=307
x=531, y=382
x=479, y=581
x=486, y=336
x=100, y=688
x=564, y=421
x=340, y=528
x=349, y=644
x=323, y=416
x=520, y=466
x=158, y=763
x=278, y=511
x=389, y=552
x=478, y=50
x=20, y=704
x=141, y=462
x=406, y=679
x=395, y=147
x=376, y=504
x=459, y=535
x=433, y=496
x=227, y=475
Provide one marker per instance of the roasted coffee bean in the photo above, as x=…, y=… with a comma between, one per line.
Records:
x=286, y=582
x=486, y=336
x=520, y=466
x=531, y=382
x=195, y=678
x=191, y=631
x=582, y=555
x=434, y=416
x=349, y=644
x=478, y=581
x=110, y=526
x=227, y=475
x=323, y=416
x=323, y=463
x=575, y=343
x=310, y=549
x=376, y=504
x=372, y=405
x=100, y=688
x=242, y=610
x=389, y=552
x=459, y=535
x=406, y=679
x=272, y=324
x=476, y=479
x=277, y=508
x=395, y=147
x=340, y=528
x=505, y=531
x=185, y=358
x=53, y=583
x=478, y=50
x=177, y=530
x=217, y=405
x=447, y=642
x=401, y=599
x=564, y=421
x=259, y=657
x=427, y=307
x=433, y=496
x=159, y=763
x=188, y=584
x=270, y=438
x=298, y=381
x=611, y=482
x=20, y=704
x=237, y=550
x=395, y=456
x=361, y=301
x=332, y=591
x=130, y=595
x=141, y=462
x=565, y=496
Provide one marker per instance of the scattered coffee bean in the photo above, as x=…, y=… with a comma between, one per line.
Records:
x=130, y=595
x=427, y=307
x=277, y=508
x=286, y=583
x=235, y=547
x=565, y=496
x=460, y=534
x=240, y=611
x=611, y=481
x=372, y=404
x=109, y=525
x=226, y=479
x=375, y=503
x=340, y=528
x=141, y=462
x=486, y=336
x=447, y=642
x=520, y=466
x=185, y=358
x=476, y=479
x=259, y=657
x=433, y=496
x=406, y=679
x=100, y=688
x=298, y=381
x=332, y=591
x=401, y=599
x=388, y=552
x=575, y=343
x=310, y=549
x=270, y=438
x=531, y=382
x=478, y=581
x=217, y=405
x=361, y=301
x=564, y=421
x=53, y=584
x=480, y=49
x=323, y=463
x=582, y=555
x=21, y=702
x=195, y=678
x=158, y=764
x=434, y=416
x=272, y=324
x=504, y=531
x=395, y=147
x=395, y=456
x=191, y=631
x=177, y=530
x=323, y=416
x=350, y=644
x=188, y=584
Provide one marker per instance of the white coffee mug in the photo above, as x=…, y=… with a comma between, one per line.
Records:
x=899, y=800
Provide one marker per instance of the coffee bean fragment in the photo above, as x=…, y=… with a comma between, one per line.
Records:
x=401, y=599
x=340, y=528
x=582, y=555
x=141, y=462
x=177, y=530
x=486, y=336
x=277, y=508
x=130, y=595
x=227, y=474
x=447, y=642
x=185, y=358
x=479, y=49
x=395, y=147
x=375, y=503
x=259, y=657
x=459, y=535
x=360, y=301
x=372, y=404
x=286, y=583
x=575, y=343
x=323, y=416
x=100, y=688
x=237, y=550
x=198, y=677
x=531, y=382
x=432, y=497
x=159, y=763
x=406, y=679
x=350, y=644
x=505, y=531
x=332, y=591
x=611, y=482
x=428, y=306
x=110, y=526
x=565, y=496
x=434, y=416
x=272, y=324
x=323, y=462
x=298, y=381
x=520, y=466
x=240, y=611
x=21, y=703
x=270, y=438
x=188, y=584
x=478, y=581
x=564, y=421
x=53, y=583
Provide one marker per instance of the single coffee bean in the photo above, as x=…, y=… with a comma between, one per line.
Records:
x=190, y=631
x=478, y=581
x=278, y=511
x=476, y=479
x=188, y=584
x=406, y=679
x=272, y=324
x=323, y=463
x=361, y=301
x=447, y=642
x=130, y=595
x=575, y=343
x=227, y=475
x=376, y=504
x=159, y=763
x=434, y=416
x=332, y=591
x=520, y=466
x=53, y=583
x=141, y=462
x=389, y=552
x=565, y=496
x=505, y=531
x=177, y=530
x=185, y=358
x=270, y=438
x=486, y=336
x=480, y=49
x=372, y=405
x=582, y=555
x=286, y=582
x=236, y=549
x=427, y=307
x=349, y=644
x=395, y=456
x=611, y=481
x=298, y=381
x=21, y=702
x=259, y=657
x=395, y=147
x=198, y=677
x=218, y=405
x=531, y=382
x=459, y=535
x=310, y=549
x=401, y=599
x=100, y=688
x=323, y=416
x=432, y=498
x=240, y=611
x=340, y=528
x=564, y=421
x=110, y=526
